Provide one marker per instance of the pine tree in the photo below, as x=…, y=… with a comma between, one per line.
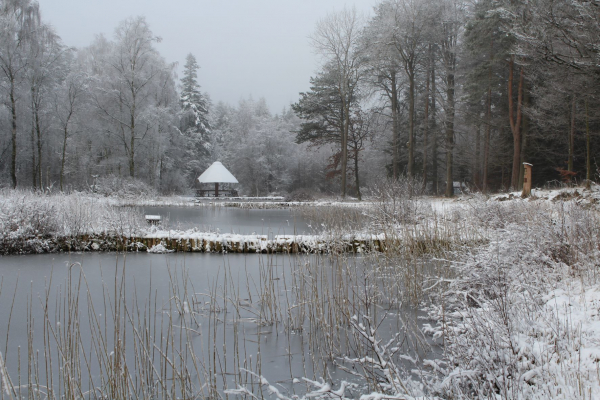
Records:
x=194, y=122
x=194, y=104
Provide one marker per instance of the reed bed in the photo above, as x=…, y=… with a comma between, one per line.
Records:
x=106, y=339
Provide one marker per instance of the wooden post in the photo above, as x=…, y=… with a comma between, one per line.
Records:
x=526, y=180
x=216, y=189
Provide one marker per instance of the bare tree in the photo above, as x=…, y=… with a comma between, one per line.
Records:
x=18, y=19
x=127, y=87
x=450, y=28
x=410, y=20
x=336, y=39
x=45, y=60
x=68, y=102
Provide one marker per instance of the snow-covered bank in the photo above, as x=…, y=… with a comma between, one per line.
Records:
x=519, y=317
x=239, y=202
x=193, y=241
x=32, y=223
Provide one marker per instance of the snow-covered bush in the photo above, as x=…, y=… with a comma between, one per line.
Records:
x=518, y=320
x=117, y=186
x=394, y=201
x=30, y=221
x=21, y=217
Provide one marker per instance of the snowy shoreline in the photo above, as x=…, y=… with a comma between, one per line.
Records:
x=204, y=242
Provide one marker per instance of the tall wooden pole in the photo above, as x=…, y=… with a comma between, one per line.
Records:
x=526, y=180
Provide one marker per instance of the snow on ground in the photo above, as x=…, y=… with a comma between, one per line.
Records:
x=571, y=353
x=519, y=315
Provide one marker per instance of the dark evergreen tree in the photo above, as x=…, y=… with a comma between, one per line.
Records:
x=322, y=110
x=194, y=122
x=322, y=113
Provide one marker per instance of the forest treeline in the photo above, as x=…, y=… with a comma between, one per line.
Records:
x=438, y=91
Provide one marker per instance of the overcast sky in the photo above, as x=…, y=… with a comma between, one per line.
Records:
x=244, y=47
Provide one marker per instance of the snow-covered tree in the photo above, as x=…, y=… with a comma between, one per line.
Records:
x=130, y=87
x=336, y=39
x=18, y=19
x=194, y=123
x=45, y=68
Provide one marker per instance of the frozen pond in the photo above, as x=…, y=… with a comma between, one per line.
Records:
x=214, y=316
x=148, y=283
x=233, y=312
x=233, y=220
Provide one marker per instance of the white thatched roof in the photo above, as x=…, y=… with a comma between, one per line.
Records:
x=217, y=173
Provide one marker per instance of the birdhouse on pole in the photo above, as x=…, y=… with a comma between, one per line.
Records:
x=526, y=180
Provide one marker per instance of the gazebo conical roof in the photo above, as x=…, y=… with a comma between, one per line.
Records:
x=217, y=173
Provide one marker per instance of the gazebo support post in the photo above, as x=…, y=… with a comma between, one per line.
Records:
x=216, y=189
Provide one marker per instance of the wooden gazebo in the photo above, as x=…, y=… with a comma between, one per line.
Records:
x=216, y=174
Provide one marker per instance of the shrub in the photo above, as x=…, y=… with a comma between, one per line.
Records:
x=116, y=186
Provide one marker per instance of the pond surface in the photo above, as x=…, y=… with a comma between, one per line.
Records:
x=212, y=316
x=233, y=220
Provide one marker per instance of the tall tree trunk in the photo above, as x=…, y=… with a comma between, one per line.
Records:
x=64, y=155
x=515, y=123
x=524, y=136
x=13, y=111
x=449, y=44
x=477, y=160
x=434, y=148
x=588, y=149
x=488, y=123
x=39, y=146
x=132, y=147
x=394, y=101
x=160, y=170
x=33, y=158
x=425, y=129
x=346, y=126
x=486, y=155
x=411, y=122
x=356, y=177
x=450, y=135
x=572, y=135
